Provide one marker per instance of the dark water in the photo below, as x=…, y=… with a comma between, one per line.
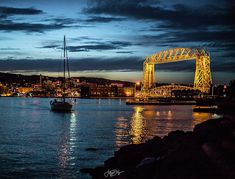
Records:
x=38, y=143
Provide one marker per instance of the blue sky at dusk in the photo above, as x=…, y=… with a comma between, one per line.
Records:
x=111, y=38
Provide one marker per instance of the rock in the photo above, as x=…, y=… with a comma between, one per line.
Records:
x=207, y=152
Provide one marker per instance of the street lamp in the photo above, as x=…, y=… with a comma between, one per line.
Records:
x=137, y=85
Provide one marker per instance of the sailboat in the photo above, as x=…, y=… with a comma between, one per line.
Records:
x=60, y=104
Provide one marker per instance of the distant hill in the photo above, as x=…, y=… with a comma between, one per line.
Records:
x=22, y=79
x=18, y=78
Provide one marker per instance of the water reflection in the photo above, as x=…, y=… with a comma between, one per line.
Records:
x=51, y=145
x=121, y=132
x=201, y=117
x=145, y=122
x=68, y=142
x=137, y=126
x=158, y=121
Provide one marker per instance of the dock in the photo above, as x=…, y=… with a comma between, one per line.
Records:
x=160, y=102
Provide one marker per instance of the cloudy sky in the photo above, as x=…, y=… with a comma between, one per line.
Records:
x=111, y=38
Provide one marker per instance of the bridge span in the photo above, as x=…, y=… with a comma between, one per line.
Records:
x=202, y=77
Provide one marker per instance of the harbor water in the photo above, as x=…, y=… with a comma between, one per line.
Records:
x=38, y=143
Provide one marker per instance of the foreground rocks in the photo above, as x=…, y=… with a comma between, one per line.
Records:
x=207, y=152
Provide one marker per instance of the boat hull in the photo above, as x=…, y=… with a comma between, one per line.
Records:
x=61, y=106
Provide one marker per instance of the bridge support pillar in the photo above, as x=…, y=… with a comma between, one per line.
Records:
x=148, y=75
x=202, y=79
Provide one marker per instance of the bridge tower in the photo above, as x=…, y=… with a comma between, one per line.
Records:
x=202, y=78
x=148, y=69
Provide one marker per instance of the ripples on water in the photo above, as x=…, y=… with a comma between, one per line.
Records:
x=38, y=143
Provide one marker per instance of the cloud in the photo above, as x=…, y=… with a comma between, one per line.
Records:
x=61, y=20
x=85, y=38
x=216, y=42
x=107, y=64
x=176, y=16
x=179, y=24
x=50, y=46
x=19, y=11
x=95, y=45
x=209, y=38
x=92, y=47
x=3, y=16
x=100, y=19
x=51, y=65
x=125, y=52
x=9, y=26
x=199, y=36
x=9, y=23
x=9, y=49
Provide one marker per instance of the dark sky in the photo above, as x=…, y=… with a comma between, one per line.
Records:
x=111, y=38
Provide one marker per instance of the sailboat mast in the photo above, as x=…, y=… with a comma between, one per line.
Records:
x=67, y=61
x=64, y=67
x=64, y=56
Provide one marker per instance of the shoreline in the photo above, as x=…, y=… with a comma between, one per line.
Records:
x=206, y=152
x=68, y=97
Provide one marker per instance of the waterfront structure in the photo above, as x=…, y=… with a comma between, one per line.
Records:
x=24, y=90
x=113, y=90
x=170, y=90
x=202, y=78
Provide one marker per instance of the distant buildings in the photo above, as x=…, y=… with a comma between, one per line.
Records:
x=52, y=87
x=112, y=90
x=43, y=86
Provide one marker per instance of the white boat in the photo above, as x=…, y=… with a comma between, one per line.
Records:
x=60, y=104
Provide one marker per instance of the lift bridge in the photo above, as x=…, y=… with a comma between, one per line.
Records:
x=202, y=78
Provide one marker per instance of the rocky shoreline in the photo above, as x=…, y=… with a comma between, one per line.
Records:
x=207, y=152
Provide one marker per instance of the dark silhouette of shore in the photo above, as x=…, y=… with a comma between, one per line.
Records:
x=207, y=152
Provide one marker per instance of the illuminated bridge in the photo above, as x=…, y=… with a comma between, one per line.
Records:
x=202, y=78
x=166, y=90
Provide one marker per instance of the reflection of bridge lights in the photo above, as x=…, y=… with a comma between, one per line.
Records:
x=169, y=113
x=157, y=113
x=200, y=117
x=137, y=125
x=149, y=113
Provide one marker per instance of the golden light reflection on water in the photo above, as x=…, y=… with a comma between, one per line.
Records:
x=145, y=122
x=158, y=113
x=129, y=130
x=137, y=125
x=201, y=117
x=169, y=114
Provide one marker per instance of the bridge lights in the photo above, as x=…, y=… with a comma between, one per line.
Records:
x=202, y=78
